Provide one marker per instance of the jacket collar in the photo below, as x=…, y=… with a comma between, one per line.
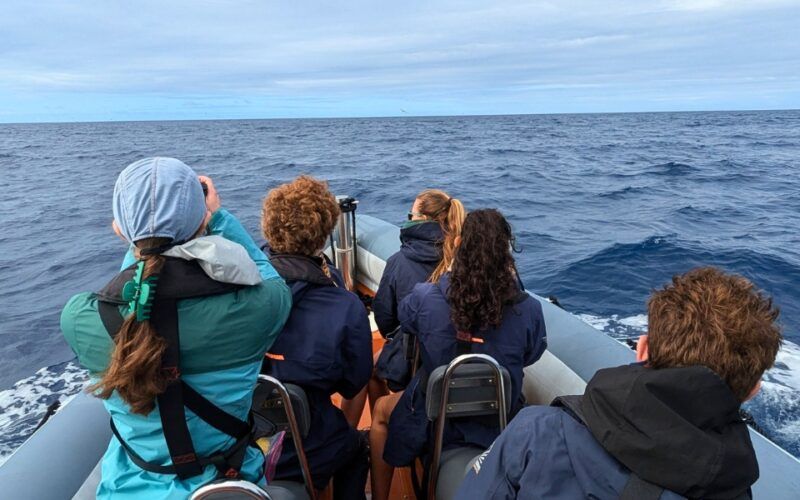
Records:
x=678, y=428
x=302, y=268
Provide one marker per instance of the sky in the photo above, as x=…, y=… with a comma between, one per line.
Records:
x=87, y=60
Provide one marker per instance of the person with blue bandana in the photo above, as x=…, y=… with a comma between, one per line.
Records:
x=174, y=343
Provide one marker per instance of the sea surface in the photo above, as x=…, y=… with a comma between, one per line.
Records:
x=605, y=206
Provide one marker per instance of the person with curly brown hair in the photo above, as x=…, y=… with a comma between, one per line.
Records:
x=666, y=427
x=479, y=302
x=326, y=345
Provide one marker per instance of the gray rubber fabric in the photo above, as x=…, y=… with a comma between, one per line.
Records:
x=286, y=490
x=452, y=470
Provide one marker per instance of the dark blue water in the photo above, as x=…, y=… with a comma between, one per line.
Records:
x=606, y=207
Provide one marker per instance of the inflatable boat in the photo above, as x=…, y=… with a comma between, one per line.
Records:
x=61, y=459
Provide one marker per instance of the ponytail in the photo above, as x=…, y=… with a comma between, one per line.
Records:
x=134, y=371
x=450, y=214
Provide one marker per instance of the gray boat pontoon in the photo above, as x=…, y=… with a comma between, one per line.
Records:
x=61, y=460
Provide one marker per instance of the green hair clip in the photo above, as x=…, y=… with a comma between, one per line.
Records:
x=140, y=293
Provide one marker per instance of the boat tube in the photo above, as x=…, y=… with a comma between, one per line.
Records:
x=61, y=459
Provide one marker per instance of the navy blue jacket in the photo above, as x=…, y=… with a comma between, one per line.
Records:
x=325, y=347
x=645, y=418
x=518, y=342
x=420, y=253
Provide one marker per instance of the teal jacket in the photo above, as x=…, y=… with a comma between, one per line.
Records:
x=223, y=341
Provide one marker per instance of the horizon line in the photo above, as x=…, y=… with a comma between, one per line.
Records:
x=375, y=117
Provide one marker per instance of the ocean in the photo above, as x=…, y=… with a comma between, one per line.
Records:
x=606, y=207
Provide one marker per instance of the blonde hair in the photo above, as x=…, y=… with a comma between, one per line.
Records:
x=450, y=214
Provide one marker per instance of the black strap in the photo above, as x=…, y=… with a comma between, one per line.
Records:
x=232, y=458
x=110, y=316
x=212, y=414
x=170, y=402
x=178, y=396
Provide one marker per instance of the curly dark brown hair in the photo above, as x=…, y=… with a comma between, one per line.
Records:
x=298, y=217
x=718, y=320
x=483, y=279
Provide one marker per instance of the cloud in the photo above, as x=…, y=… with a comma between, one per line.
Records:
x=462, y=56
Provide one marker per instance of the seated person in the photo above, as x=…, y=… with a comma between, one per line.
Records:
x=670, y=422
x=229, y=310
x=326, y=345
x=481, y=300
x=427, y=247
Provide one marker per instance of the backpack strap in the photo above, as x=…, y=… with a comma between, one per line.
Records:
x=178, y=395
x=170, y=402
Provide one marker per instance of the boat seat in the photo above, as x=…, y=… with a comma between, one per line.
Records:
x=453, y=467
x=268, y=404
x=230, y=489
x=287, y=490
x=285, y=407
x=472, y=385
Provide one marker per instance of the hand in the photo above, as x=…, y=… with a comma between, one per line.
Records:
x=213, y=202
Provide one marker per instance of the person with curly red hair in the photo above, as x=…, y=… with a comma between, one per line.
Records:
x=326, y=345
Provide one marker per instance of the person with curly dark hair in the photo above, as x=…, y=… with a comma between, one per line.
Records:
x=326, y=345
x=479, y=302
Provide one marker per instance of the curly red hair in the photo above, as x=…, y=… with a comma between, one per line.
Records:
x=298, y=217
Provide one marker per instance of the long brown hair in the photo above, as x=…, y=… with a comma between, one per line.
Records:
x=483, y=279
x=449, y=213
x=135, y=367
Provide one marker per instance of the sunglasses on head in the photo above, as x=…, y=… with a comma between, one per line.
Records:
x=411, y=215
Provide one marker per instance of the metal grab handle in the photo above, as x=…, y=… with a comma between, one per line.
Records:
x=440, y=421
x=296, y=437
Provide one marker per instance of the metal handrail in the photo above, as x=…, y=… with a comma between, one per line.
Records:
x=231, y=486
x=440, y=421
x=293, y=427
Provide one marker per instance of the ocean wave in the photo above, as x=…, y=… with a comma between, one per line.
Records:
x=626, y=273
x=23, y=405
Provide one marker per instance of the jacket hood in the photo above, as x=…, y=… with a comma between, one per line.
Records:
x=422, y=242
x=678, y=428
x=221, y=259
x=302, y=272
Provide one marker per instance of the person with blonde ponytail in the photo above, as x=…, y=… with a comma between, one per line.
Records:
x=427, y=247
x=175, y=341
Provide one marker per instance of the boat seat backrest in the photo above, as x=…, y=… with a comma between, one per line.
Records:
x=230, y=489
x=472, y=391
x=268, y=404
